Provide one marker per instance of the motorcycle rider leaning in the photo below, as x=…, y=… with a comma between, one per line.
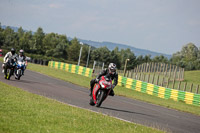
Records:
x=110, y=71
x=9, y=55
x=22, y=57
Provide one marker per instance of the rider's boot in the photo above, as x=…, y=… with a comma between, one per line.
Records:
x=5, y=73
x=112, y=93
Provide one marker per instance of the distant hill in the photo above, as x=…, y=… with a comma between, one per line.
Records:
x=111, y=46
x=14, y=28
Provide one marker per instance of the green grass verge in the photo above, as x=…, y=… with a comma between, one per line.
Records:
x=85, y=81
x=24, y=112
x=192, y=77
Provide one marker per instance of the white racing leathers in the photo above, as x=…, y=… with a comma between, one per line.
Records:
x=7, y=57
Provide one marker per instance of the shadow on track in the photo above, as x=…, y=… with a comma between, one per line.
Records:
x=24, y=81
x=125, y=111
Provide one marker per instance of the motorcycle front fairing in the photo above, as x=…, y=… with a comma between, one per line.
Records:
x=19, y=69
x=9, y=68
x=11, y=63
x=102, y=84
x=20, y=65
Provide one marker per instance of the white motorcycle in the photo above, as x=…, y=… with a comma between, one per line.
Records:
x=20, y=69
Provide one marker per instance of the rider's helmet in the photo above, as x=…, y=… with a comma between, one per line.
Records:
x=112, y=68
x=12, y=51
x=21, y=52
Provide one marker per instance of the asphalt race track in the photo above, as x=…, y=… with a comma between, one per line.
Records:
x=117, y=106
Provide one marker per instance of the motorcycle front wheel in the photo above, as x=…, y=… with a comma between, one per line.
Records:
x=18, y=74
x=100, y=97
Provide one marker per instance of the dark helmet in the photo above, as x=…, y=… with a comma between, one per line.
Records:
x=112, y=68
x=12, y=51
x=21, y=52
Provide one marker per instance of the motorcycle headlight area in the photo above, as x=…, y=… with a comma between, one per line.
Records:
x=20, y=64
x=103, y=84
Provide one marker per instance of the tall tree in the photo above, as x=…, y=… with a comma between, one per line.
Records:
x=38, y=38
x=128, y=54
x=26, y=41
x=160, y=58
x=187, y=57
x=50, y=42
x=189, y=52
x=101, y=54
x=140, y=60
x=1, y=36
x=74, y=49
x=61, y=50
x=85, y=51
x=115, y=57
x=20, y=32
x=10, y=38
x=147, y=58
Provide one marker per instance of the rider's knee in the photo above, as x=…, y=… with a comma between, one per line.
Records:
x=3, y=66
x=92, y=81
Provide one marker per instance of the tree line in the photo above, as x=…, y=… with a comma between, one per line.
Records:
x=53, y=46
x=188, y=57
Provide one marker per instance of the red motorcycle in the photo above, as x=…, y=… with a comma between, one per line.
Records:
x=101, y=91
x=1, y=52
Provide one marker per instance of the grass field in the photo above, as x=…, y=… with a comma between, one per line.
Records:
x=84, y=81
x=24, y=112
x=192, y=77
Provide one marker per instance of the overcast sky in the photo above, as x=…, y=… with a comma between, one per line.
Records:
x=157, y=25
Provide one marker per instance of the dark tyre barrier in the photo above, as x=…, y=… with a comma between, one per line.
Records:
x=39, y=61
x=34, y=61
x=45, y=62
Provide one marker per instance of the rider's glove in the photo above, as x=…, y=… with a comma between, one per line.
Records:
x=97, y=80
x=113, y=86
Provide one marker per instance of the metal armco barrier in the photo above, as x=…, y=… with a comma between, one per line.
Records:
x=159, y=91
x=71, y=68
